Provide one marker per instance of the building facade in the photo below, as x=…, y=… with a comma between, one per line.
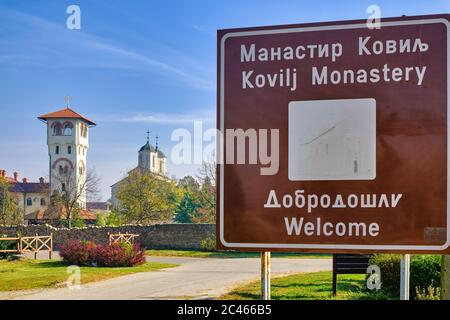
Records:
x=29, y=196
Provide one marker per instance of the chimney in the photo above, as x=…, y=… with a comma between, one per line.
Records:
x=41, y=180
x=25, y=180
x=16, y=176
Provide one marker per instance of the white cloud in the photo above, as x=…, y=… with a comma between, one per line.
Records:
x=159, y=118
x=76, y=48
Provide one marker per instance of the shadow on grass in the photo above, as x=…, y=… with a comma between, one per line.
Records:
x=49, y=264
x=312, y=287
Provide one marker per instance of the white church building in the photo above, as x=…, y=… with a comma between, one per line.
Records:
x=151, y=160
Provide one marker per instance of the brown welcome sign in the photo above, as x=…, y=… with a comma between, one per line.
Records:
x=334, y=137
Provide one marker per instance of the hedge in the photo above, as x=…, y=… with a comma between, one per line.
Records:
x=425, y=272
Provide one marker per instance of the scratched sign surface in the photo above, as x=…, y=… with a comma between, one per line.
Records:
x=334, y=137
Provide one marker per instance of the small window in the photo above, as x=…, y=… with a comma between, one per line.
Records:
x=57, y=150
x=69, y=150
x=43, y=202
x=63, y=187
x=61, y=169
x=81, y=170
x=29, y=202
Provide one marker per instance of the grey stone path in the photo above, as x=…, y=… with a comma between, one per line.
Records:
x=194, y=278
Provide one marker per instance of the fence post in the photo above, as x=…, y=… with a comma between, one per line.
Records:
x=35, y=246
x=51, y=247
x=18, y=243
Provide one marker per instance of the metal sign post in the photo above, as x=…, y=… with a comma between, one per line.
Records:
x=265, y=275
x=404, y=276
x=445, y=278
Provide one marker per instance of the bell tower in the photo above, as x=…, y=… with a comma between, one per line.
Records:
x=68, y=144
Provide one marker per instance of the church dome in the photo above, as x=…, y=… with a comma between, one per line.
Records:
x=147, y=147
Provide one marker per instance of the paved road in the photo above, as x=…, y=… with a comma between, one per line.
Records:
x=194, y=278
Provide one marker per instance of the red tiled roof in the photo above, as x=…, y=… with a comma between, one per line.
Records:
x=87, y=215
x=55, y=213
x=65, y=113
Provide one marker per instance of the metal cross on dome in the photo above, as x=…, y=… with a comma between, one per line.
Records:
x=148, y=136
x=68, y=100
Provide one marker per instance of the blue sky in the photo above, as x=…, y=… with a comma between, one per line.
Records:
x=133, y=66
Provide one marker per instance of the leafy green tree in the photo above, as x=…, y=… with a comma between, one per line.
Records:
x=146, y=198
x=198, y=204
x=186, y=209
x=189, y=183
x=10, y=213
x=207, y=195
x=112, y=218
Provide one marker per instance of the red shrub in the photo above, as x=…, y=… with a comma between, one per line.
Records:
x=138, y=255
x=80, y=253
x=84, y=253
x=119, y=255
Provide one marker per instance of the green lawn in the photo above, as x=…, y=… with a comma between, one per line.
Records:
x=309, y=286
x=230, y=254
x=30, y=274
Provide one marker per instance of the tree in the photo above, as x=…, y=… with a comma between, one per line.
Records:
x=198, y=203
x=146, y=198
x=70, y=192
x=10, y=213
x=189, y=183
x=186, y=209
x=207, y=177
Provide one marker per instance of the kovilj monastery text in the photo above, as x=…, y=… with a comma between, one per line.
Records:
x=287, y=77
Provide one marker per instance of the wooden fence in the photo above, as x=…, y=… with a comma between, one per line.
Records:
x=122, y=238
x=33, y=244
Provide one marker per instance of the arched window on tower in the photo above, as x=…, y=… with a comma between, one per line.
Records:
x=69, y=149
x=57, y=150
x=84, y=130
x=68, y=126
x=57, y=128
x=63, y=187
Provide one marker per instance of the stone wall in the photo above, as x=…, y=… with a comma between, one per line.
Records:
x=159, y=236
